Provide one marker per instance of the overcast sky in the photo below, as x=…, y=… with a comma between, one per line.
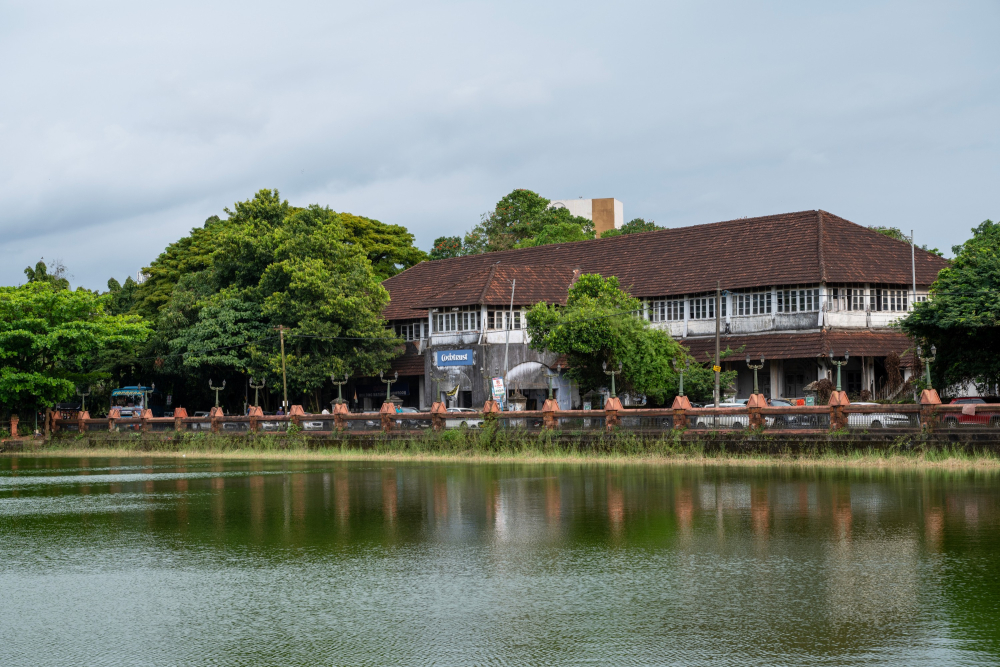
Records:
x=124, y=124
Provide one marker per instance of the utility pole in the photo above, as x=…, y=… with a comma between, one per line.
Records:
x=718, y=310
x=510, y=323
x=284, y=376
x=913, y=268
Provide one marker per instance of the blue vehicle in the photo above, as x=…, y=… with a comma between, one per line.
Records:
x=131, y=401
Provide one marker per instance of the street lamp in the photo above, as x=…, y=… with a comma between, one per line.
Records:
x=551, y=376
x=216, y=390
x=388, y=385
x=256, y=391
x=83, y=399
x=838, y=364
x=755, y=368
x=612, y=373
x=340, y=384
x=927, y=362
x=681, y=371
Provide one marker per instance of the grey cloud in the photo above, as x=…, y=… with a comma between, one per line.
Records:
x=128, y=124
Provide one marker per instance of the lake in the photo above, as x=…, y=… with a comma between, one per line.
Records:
x=155, y=561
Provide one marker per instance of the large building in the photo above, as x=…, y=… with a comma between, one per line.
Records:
x=794, y=286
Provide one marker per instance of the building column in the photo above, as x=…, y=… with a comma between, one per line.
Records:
x=687, y=310
x=775, y=378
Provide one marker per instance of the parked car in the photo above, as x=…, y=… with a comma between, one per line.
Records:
x=953, y=420
x=723, y=421
x=463, y=417
x=412, y=423
x=879, y=419
x=204, y=426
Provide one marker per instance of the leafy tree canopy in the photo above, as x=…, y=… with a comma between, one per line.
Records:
x=600, y=324
x=446, y=247
x=962, y=315
x=41, y=274
x=523, y=219
x=312, y=271
x=897, y=233
x=634, y=226
x=53, y=340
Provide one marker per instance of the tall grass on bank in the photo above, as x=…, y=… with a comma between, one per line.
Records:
x=492, y=443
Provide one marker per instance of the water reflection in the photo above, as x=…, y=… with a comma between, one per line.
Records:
x=243, y=562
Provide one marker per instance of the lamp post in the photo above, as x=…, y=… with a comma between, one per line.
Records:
x=612, y=373
x=681, y=371
x=216, y=390
x=437, y=391
x=256, y=391
x=551, y=376
x=755, y=368
x=388, y=385
x=838, y=364
x=927, y=362
x=340, y=384
x=83, y=399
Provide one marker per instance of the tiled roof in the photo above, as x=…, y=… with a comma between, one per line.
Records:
x=803, y=247
x=860, y=343
x=492, y=287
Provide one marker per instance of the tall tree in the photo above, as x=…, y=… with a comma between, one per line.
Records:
x=962, y=314
x=634, y=226
x=521, y=219
x=54, y=275
x=389, y=248
x=53, y=339
x=600, y=324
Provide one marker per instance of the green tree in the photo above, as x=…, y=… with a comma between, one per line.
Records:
x=962, y=314
x=446, y=247
x=897, y=233
x=53, y=339
x=601, y=324
x=41, y=274
x=121, y=299
x=389, y=248
x=634, y=226
x=522, y=219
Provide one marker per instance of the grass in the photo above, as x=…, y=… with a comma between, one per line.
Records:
x=495, y=445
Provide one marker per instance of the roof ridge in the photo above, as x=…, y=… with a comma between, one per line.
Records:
x=488, y=282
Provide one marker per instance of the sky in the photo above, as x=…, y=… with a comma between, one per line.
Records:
x=124, y=124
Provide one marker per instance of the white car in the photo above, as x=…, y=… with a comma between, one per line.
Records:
x=723, y=421
x=463, y=417
x=880, y=419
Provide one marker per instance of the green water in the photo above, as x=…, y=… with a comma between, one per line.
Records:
x=189, y=562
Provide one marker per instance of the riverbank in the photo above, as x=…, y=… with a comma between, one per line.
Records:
x=655, y=453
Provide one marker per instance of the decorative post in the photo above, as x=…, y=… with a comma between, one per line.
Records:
x=339, y=405
x=929, y=396
x=14, y=419
x=113, y=414
x=180, y=414
x=613, y=405
x=217, y=390
x=388, y=410
x=838, y=398
x=256, y=392
x=757, y=400
x=438, y=409
x=551, y=405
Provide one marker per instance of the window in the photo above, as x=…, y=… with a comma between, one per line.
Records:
x=465, y=318
x=703, y=306
x=798, y=300
x=411, y=330
x=666, y=310
x=847, y=297
x=499, y=319
x=752, y=303
x=891, y=299
x=919, y=298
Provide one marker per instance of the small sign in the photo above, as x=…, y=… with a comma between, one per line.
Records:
x=810, y=400
x=170, y=399
x=716, y=368
x=499, y=390
x=453, y=358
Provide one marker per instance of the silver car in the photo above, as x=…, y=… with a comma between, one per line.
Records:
x=463, y=417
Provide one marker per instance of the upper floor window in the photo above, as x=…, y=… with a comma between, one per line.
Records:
x=757, y=302
x=891, y=299
x=411, y=330
x=502, y=319
x=666, y=310
x=703, y=306
x=847, y=297
x=798, y=300
x=464, y=318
